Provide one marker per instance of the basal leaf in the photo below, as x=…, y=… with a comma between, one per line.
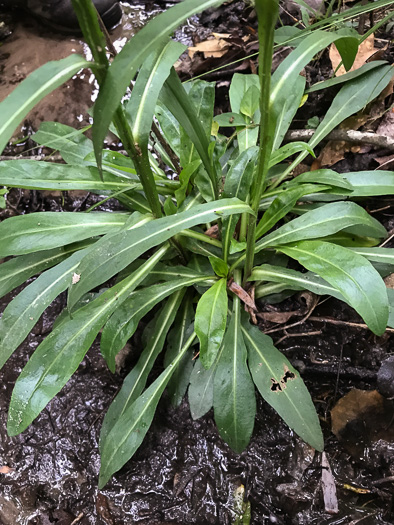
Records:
x=320, y=222
x=16, y=271
x=237, y=184
x=281, y=386
x=45, y=230
x=211, y=320
x=58, y=356
x=34, y=175
x=135, y=381
x=113, y=253
x=200, y=394
x=294, y=280
x=179, y=334
x=234, y=395
x=123, y=323
x=129, y=431
x=24, y=311
x=351, y=274
x=281, y=206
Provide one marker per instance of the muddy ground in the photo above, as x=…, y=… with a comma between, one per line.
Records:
x=183, y=473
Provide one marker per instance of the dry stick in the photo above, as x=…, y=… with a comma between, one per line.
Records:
x=354, y=137
x=343, y=323
x=302, y=334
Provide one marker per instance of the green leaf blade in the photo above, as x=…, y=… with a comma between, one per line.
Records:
x=45, y=230
x=211, y=320
x=123, y=248
x=281, y=386
x=234, y=395
x=351, y=274
x=34, y=88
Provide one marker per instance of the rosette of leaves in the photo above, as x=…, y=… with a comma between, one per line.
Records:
x=205, y=217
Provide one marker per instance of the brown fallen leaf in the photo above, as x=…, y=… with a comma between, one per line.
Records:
x=6, y=470
x=360, y=418
x=366, y=50
x=214, y=47
x=242, y=294
x=277, y=317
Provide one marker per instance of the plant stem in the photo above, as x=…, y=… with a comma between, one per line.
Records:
x=88, y=21
x=267, y=14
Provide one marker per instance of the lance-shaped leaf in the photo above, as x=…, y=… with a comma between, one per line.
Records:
x=378, y=255
x=129, y=431
x=281, y=386
x=124, y=322
x=200, y=393
x=329, y=177
x=58, y=356
x=370, y=183
x=179, y=334
x=24, y=311
x=286, y=86
x=234, y=398
x=237, y=184
x=175, y=98
x=135, y=381
x=34, y=88
x=288, y=150
x=153, y=73
x=352, y=97
x=283, y=204
x=45, y=230
x=127, y=62
x=113, y=253
x=322, y=221
x=351, y=75
x=16, y=271
x=294, y=280
x=71, y=143
x=351, y=274
x=211, y=319
x=35, y=175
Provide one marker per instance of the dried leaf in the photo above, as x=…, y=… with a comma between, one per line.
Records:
x=214, y=47
x=329, y=488
x=365, y=51
x=242, y=294
x=6, y=470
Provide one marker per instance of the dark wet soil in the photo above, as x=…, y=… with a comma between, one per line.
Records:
x=183, y=473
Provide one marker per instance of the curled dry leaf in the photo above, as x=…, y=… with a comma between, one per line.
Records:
x=214, y=47
x=242, y=294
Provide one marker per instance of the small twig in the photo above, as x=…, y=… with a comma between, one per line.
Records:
x=77, y=519
x=391, y=235
x=343, y=323
x=301, y=334
x=382, y=481
x=354, y=137
x=338, y=374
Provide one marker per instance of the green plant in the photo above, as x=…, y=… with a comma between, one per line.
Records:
x=194, y=284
